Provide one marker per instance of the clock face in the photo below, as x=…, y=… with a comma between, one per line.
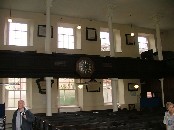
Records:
x=85, y=67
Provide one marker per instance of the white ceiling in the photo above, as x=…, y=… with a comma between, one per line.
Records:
x=141, y=11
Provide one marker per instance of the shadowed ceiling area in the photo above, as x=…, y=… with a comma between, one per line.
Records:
x=139, y=13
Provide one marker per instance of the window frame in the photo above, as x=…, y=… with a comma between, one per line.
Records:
x=107, y=31
x=107, y=102
x=75, y=92
x=117, y=40
x=30, y=29
x=76, y=34
x=144, y=49
x=20, y=98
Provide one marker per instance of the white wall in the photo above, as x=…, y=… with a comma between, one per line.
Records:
x=131, y=97
x=167, y=40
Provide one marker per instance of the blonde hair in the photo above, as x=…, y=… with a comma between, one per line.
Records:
x=169, y=104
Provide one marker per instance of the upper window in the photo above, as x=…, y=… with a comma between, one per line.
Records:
x=105, y=44
x=15, y=91
x=107, y=91
x=69, y=36
x=105, y=41
x=143, y=44
x=18, y=33
x=65, y=38
x=67, y=92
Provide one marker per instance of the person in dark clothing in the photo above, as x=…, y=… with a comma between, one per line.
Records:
x=22, y=118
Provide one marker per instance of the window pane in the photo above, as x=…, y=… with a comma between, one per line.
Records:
x=67, y=91
x=68, y=31
x=105, y=43
x=61, y=93
x=24, y=27
x=23, y=39
x=60, y=37
x=11, y=103
x=60, y=45
x=11, y=80
x=65, y=38
x=18, y=34
x=17, y=94
x=70, y=93
x=69, y=101
x=17, y=80
x=63, y=86
x=143, y=44
x=65, y=41
x=62, y=102
x=66, y=83
x=10, y=94
x=60, y=30
x=23, y=86
x=12, y=26
x=23, y=80
x=107, y=91
x=105, y=95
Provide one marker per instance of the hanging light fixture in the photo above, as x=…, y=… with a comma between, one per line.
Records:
x=80, y=85
x=132, y=34
x=136, y=86
x=79, y=27
x=10, y=19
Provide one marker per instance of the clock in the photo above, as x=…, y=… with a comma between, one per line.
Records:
x=85, y=67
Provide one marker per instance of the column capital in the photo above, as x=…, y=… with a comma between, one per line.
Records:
x=110, y=6
x=115, y=79
x=156, y=18
x=49, y=3
x=162, y=79
x=48, y=78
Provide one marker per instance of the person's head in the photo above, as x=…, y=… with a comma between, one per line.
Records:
x=170, y=106
x=21, y=104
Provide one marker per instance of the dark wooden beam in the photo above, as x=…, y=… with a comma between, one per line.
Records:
x=36, y=65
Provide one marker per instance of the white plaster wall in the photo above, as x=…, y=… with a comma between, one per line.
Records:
x=167, y=40
x=92, y=100
x=39, y=100
x=131, y=97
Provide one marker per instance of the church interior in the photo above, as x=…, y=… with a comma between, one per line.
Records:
x=87, y=65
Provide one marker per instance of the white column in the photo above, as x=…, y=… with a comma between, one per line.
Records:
x=48, y=50
x=159, y=49
x=159, y=46
x=48, y=27
x=114, y=81
x=162, y=90
x=114, y=84
x=111, y=34
x=48, y=94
